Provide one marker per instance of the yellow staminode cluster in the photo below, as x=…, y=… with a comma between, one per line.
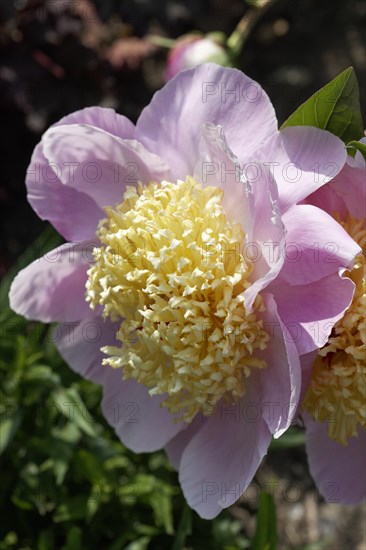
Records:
x=170, y=269
x=337, y=393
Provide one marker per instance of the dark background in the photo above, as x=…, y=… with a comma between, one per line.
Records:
x=59, y=56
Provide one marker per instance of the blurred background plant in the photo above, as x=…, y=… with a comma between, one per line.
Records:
x=65, y=480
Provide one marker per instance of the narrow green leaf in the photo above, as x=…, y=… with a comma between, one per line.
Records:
x=335, y=107
x=265, y=537
x=184, y=529
x=70, y=404
x=161, y=503
x=9, y=425
x=356, y=145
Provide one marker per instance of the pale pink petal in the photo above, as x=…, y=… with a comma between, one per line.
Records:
x=74, y=214
x=62, y=205
x=52, y=288
x=171, y=125
x=338, y=470
x=219, y=167
x=138, y=419
x=302, y=159
x=103, y=118
x=80, y=345
x=328, y=199
x=309, y=312
x=347, y=192
x=281, y=379
x=221, y=459
x=316, y=245
x=174, y=449
x=250, y=199
x=266, y=239
x=99, y=164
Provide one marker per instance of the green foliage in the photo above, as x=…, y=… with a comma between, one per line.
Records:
x=66, y=481
x=335, y=107
x=357, y=146
x=266, y=533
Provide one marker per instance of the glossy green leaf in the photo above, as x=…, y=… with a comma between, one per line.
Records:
x=335, y=107
x=357, y=146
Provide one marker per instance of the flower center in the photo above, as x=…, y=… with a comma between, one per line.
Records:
x=337, y=393
x=170, y=268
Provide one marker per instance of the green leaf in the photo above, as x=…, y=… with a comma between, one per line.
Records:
x=74, y=539
x=71, y=510
x=335, y=107
x=70, y=404
x=161, y=503
x=46, y=540
x=139, y=544
x=265, y=537
x=356, y=145
x=9, y=424
x=294, y=437
x=184, y=529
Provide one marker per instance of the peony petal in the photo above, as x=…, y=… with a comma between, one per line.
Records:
x=219, y=167
x=103, y=118
x=281, y=380
x=53, y=287
x=138, y=419
x=174, y=449
x=310, y=321
x=326, y=198
x=251, y=200
x=302, y=159
x=338, y=470
x=349, y=188
x=266, y=240
x=316, y=245
x=99, y=164
x=60, y=205
x=80, y=345
x=171, y=125
x=221, y=459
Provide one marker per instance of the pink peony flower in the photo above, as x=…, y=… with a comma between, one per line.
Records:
x=191, y=270
x=192, y=50
x=335, y=403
